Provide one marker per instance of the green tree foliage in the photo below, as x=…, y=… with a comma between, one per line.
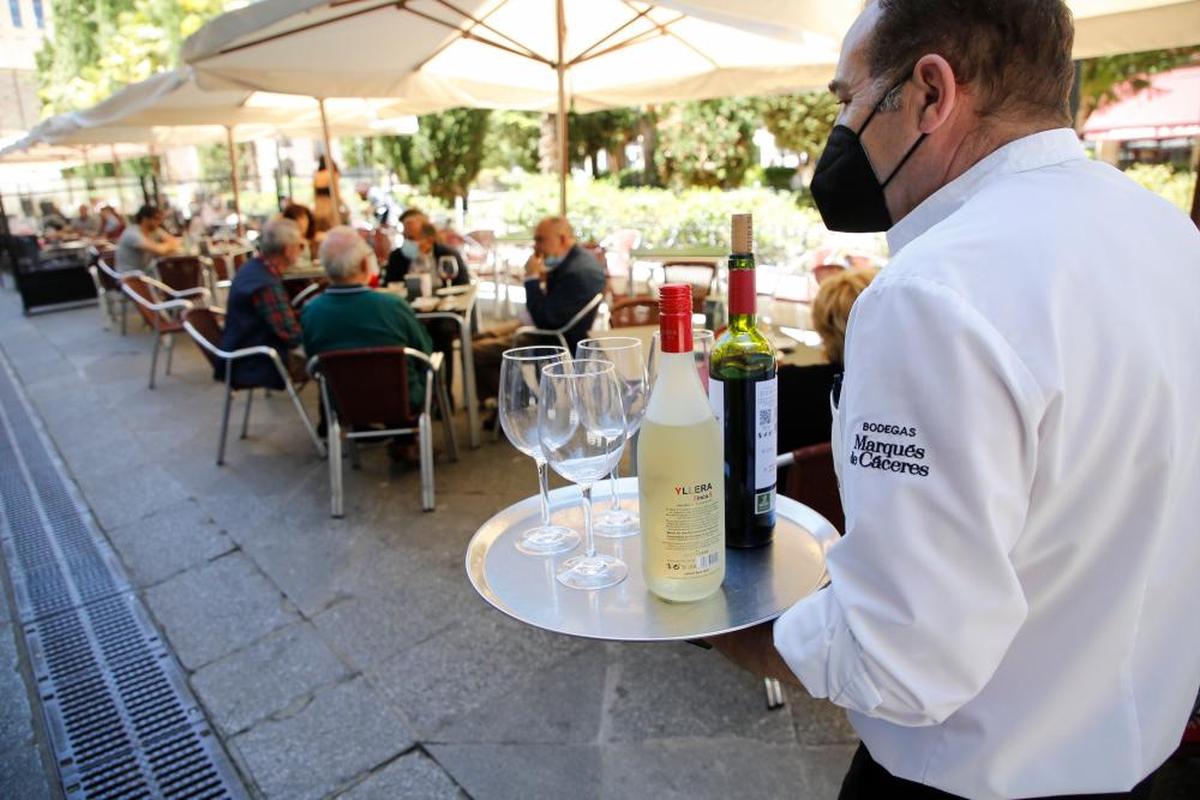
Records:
x=448, y=150
x=99, y=46
x=1100, y=78
x=512, y=140
x=800, y=122
x=707, y=143
x=607, y=131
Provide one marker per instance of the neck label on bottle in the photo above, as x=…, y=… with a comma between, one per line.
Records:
x=741, y=291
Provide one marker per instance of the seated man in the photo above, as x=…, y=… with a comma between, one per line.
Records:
x=259, y=313
x=421, y=252
x=421, y=245
x=349, y=314
x=144, y=241
x=561, y=278
x=86, y=224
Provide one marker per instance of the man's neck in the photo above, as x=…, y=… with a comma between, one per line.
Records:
x=975, y=146
x=277, y=264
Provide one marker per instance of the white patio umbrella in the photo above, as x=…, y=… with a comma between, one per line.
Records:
x=1102, y=27
x=546, y=55
x=170, y=109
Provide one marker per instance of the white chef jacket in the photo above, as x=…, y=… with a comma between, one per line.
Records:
x=1014, y=608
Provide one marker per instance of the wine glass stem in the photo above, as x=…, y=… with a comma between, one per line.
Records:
x=585, y=489
x=616, y=500
x=544, y=489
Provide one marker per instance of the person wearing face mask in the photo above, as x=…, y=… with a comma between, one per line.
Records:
x=421, y=251
x=1011, y=612
x=561, y=278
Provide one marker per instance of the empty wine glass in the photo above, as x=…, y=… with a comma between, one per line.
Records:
x=520, y=396
x=702, y=346
x=447, y=269
x=624, y=353
x=581, y=424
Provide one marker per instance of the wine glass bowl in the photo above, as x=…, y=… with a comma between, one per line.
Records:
x=582, y=430
x=625, y=354
x=520, y=397
x=447, y=267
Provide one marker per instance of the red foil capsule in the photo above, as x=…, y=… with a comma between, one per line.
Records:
x=675, y=317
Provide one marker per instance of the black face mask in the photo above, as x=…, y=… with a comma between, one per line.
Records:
x=846, y=190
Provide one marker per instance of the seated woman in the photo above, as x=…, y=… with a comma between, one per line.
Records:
x=303, y=217
x=806, y=416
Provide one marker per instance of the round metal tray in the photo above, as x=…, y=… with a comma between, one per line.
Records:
x=759, y=584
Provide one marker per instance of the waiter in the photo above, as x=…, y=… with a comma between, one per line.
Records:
x=1013, y=610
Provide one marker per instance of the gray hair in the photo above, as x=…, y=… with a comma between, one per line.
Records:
x=278, y=234
x=342, y=252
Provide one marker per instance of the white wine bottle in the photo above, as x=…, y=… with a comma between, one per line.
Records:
x=680, y=468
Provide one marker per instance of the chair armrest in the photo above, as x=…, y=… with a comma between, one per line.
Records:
x=437, y=361
x=183, y=293
x=785, y=460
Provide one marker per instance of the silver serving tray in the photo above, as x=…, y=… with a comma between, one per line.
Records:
x=759, y=584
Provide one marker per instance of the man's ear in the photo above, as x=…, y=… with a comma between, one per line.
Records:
x=937, y=92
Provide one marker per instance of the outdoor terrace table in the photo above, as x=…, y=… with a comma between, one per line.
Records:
x=456, y=304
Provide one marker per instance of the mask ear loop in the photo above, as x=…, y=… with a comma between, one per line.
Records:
x=911, y=150
x=903, y=161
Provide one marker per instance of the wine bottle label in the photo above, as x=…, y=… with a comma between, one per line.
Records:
x=766, y=435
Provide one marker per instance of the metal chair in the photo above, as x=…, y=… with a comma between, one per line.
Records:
x=700, y=274
x=812, y=480
x=164, y=316
x=560, y=333
x=108, y=290
x=184, y=272
x=306, y=294
x=365, y=388
x=204, y=325
x=634, y=311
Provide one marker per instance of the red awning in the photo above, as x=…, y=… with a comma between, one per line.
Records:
x=1169, y=108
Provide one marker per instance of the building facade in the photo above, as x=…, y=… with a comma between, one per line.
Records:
x=23, y=26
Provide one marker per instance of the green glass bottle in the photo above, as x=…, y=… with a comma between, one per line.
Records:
x=743, y=392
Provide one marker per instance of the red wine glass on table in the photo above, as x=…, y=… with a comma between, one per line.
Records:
x=581, y=424
x=625, y=354
x=520, y=395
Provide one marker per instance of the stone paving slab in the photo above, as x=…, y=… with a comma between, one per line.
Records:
x=415, y=776
x=670, y=690
x=266, y=677
x=215, y=609
x=564, y=703
x=524, y=772
x=715, y=767
x=168, y=542
x=344, y=731
x=450, y=674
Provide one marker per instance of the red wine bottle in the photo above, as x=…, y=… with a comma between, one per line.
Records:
x=743, y=393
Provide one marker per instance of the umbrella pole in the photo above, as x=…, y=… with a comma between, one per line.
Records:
x=116, y=162
x=333, y=174
x=561, y=117
x=233, y=174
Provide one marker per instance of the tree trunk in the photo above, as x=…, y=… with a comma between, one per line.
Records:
x=547, y=145
x=648, y=129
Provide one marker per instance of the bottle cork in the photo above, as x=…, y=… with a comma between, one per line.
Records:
x=743, y=233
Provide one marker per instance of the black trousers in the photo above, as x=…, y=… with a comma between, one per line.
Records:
x=867, y=780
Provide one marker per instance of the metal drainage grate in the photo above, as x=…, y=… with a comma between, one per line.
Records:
x=120, y=718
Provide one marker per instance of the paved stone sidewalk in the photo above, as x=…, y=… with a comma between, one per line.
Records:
x=351, y=658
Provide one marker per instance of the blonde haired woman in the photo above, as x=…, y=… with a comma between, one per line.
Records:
x=805, y=417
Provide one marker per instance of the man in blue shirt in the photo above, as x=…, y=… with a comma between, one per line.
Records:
x=561, y=278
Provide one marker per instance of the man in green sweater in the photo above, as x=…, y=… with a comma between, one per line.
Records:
x=349, y=314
